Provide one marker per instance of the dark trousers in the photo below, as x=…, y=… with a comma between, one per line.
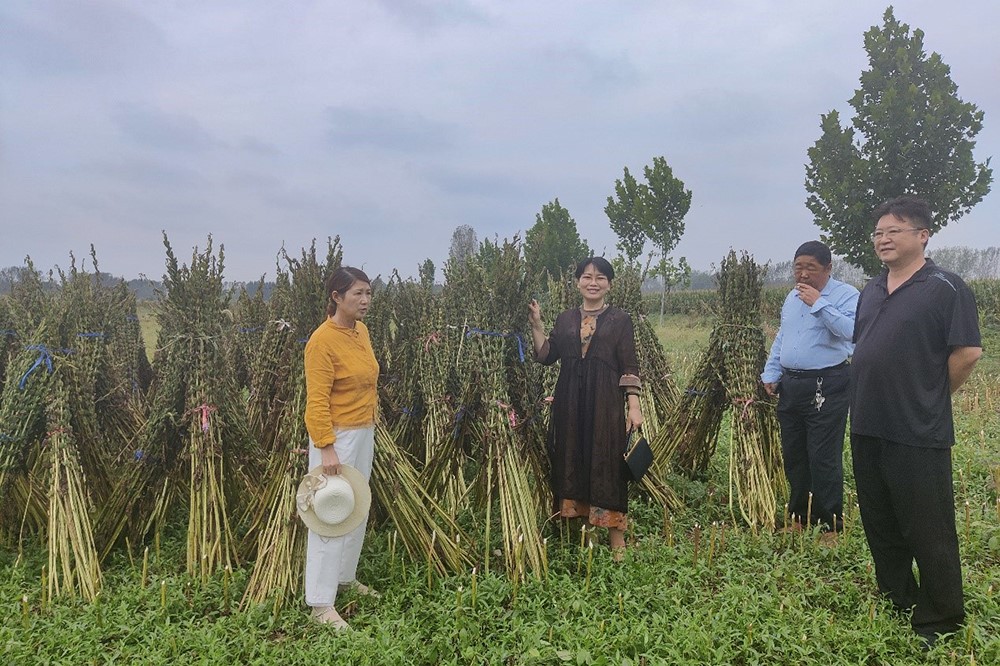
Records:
x=812, y=444
x=908, y=511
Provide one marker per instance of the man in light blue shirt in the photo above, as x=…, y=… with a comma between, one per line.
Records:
x=808, y=369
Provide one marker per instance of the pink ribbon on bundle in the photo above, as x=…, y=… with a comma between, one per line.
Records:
x=511, y=414
x=206, y=410
x=434, y=337
x=746, y=402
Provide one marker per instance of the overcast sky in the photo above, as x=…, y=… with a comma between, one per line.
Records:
x=391, y=122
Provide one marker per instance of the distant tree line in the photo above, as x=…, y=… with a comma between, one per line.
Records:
x=143, y=288
x=970, y=263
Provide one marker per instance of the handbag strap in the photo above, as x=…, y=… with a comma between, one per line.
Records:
x=633, y=434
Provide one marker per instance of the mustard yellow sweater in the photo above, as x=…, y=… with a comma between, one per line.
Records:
x=341, y=377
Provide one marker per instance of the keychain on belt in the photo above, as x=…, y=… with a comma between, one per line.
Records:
x=818, y=399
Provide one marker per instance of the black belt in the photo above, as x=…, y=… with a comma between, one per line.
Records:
x=791, y=372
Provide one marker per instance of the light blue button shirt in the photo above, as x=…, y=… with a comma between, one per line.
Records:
x=814, y=337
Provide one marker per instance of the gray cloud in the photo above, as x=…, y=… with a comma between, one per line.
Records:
x=477, y=182
x=256, y=146
x=146, y=173
x=588, y=68
x=157, y=129
x=53, y=38
x=712, y=116
x=424, y=14
x=392, y=123
x=387, y=129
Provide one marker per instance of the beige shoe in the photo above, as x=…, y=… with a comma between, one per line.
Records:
x=329, y=615
x=359, y=589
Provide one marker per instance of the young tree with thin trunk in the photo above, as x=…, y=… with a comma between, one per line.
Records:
x=652, y=211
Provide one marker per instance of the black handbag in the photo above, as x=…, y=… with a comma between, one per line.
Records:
x=638, y=457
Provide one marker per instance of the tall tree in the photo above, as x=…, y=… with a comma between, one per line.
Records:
x=911, y=134
x=652, y=211
x=463, y=244
x=667, y=202
x=624, y=212
x=553, y=243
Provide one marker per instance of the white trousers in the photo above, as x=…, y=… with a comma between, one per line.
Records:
x=331, y=561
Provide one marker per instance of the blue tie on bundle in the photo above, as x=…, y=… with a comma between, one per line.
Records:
x=497, y=334
x=44, y=357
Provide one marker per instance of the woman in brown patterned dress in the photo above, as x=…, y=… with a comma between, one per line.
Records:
x=596, y=403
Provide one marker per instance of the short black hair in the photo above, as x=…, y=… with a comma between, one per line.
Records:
x=913, y=209
x=816, y=249
x=602, y=265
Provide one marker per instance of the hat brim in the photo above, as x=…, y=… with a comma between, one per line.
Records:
x=362, y=503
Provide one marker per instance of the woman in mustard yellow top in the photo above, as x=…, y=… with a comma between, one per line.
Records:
x=341, y=398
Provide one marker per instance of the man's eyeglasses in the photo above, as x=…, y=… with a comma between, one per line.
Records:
x=891, y=233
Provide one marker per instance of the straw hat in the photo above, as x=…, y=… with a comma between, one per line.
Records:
x=332, y=506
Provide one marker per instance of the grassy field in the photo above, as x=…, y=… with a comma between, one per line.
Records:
x=148, y=325
x=697, y=589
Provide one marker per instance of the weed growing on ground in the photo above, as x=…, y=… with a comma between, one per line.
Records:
x=707, y=592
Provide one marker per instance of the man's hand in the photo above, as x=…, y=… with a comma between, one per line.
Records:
x=961, y=361
x=771, y=388
x=807, y=293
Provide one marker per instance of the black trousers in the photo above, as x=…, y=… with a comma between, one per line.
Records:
x=908, y=511
x=812, y=444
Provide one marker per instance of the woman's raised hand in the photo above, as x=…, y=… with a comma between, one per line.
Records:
x=538, y=340
x=534, y=313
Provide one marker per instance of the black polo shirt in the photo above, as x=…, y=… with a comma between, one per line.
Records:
x=900, y=389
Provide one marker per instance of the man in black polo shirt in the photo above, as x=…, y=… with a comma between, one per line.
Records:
x=916, y=341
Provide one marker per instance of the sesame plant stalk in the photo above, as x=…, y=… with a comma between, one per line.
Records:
x=415, y=515
x=73, y=560
x=276, y=537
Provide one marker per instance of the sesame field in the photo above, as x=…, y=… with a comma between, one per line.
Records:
x=189, y=563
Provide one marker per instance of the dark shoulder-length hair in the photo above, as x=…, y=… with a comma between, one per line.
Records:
x=340, y=281
x=602, y=265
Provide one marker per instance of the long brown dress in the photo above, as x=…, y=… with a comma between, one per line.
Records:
x=587, y=438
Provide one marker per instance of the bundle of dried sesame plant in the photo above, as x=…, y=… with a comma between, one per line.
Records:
x=276, y=538
x=755, y=474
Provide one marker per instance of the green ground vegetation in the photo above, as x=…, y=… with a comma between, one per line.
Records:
x=695, y=588
x=146, y=311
